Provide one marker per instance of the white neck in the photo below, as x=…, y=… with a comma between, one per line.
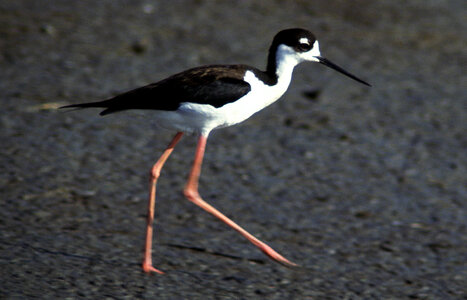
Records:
x=286, y=60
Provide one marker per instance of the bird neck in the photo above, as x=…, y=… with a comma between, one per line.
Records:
x=281, y=63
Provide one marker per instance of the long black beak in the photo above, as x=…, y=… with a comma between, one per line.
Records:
x=327, y=63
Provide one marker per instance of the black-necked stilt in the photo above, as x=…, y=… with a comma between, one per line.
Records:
x=202, y=99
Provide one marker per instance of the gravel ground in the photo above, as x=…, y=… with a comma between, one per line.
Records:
x=365, y=188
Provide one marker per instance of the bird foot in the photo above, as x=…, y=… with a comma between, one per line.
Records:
x=148, y=268
x=276, y=256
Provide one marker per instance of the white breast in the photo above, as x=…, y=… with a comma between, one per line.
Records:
x=260, y=96
x=206, y=117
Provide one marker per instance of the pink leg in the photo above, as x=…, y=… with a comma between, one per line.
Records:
x=154, y=175
x=191, y=192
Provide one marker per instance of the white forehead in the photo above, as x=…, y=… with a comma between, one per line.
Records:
x=315, y=50
x=304, y=41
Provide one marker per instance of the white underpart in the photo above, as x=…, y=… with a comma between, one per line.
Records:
x=203, y=118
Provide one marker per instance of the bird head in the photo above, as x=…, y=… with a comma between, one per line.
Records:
x=299, y=45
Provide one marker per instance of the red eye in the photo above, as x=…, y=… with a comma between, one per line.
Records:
x=304, y=47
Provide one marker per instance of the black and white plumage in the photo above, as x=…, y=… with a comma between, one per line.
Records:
x=214, y=96
x=205, y=98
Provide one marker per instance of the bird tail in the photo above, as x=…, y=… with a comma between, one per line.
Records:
x=102, y=104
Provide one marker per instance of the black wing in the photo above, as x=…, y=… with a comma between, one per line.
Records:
x=214, y=85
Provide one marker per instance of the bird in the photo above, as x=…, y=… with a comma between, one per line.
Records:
x=202, y=99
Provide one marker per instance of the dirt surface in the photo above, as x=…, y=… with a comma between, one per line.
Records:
x=365, y=188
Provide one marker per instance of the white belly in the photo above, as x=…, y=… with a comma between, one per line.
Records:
x=202, y=118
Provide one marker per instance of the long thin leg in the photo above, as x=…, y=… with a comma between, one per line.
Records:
x=154, y=175
x=191, y=192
